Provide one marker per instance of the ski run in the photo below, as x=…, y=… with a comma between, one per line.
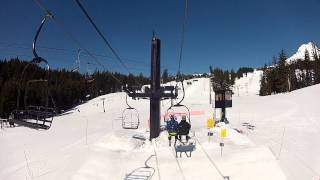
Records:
x=269, y=138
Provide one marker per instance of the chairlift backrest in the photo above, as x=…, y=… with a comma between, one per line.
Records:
x=133, y=121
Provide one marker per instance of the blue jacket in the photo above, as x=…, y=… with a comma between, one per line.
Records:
x=172, y=126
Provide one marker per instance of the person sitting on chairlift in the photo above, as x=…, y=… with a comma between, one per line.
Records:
x=183, y=128
x=172, y=127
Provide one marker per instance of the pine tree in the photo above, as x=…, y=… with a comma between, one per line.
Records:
x=301, y=79
x=281, y=75
x=211, y=69
x=316, y=67
x=233, y=76
x=293, y=82
x=66, y=88
x=307, y=68
x=274, y=61
x=221, y=79
x=165, y=76
x=263, y=83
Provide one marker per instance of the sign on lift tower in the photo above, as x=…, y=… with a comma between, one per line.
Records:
x=223, y=100
x=156, y=93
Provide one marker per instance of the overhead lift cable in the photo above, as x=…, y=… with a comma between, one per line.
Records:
x=179, y=77
x=211, y=161
x=102, y=36
x=182, y=34
x=72, y=38
x=23, y=46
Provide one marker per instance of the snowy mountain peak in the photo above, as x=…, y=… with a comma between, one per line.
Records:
x=310, y=47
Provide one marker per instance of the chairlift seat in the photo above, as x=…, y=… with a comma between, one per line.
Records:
x=130, y=125
x=185, y=148
x=185, y=145
x=33, y=117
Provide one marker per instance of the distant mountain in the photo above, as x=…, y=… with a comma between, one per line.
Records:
x=301, y=51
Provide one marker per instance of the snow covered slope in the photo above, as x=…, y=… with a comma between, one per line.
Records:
x=87, y=143
x=90, y=144
x=289, y=124
x=310, y=47
x=249, y=84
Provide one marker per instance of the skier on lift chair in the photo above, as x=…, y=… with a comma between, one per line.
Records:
x=172, y=127
x=183, y=128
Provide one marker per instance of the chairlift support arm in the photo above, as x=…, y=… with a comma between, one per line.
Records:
x=37, y=59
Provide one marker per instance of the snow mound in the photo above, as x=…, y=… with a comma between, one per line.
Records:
x=115, y=142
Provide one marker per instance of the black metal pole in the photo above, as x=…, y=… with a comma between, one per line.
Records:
x=223, y=114
x=155, y=89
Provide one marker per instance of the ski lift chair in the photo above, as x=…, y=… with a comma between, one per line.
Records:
x=35, y=116
x=130, y=117
x=39, y=117
x=185, y=145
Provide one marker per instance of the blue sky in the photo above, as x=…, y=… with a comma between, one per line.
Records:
x=222, y=33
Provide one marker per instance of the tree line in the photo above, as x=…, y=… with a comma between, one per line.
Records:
x=225, y=79
x=285, y=77
x=166, y=77
x=65, y=88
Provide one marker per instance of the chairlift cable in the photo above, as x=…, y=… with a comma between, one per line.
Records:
x=23, y=46
x=78, y=60
x=182, y=35
x=210, y=159
x=178, y=163
x=72, y=38
x=103, y=37
x=156, y=156
x=178, y=76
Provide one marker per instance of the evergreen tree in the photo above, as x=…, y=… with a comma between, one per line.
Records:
x=316, y=67
x=263, y=83
x=274, y=61
x=233, y=76
x=308, y=69
x=281, y=75
x=244, y=70
x=301, y=78
x=66, y=88
x=293, y=82
x=165, y=76
x=272, y=78
x=211, y=69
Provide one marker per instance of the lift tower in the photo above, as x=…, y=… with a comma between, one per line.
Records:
x=156, y=93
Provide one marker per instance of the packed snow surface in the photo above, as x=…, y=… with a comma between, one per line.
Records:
x=288, y=124
x=87, y=143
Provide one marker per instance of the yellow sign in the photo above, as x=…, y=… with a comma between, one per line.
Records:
x=210, y=123
x=223, y=133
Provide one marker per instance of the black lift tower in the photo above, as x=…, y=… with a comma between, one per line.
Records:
x=156, y=93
